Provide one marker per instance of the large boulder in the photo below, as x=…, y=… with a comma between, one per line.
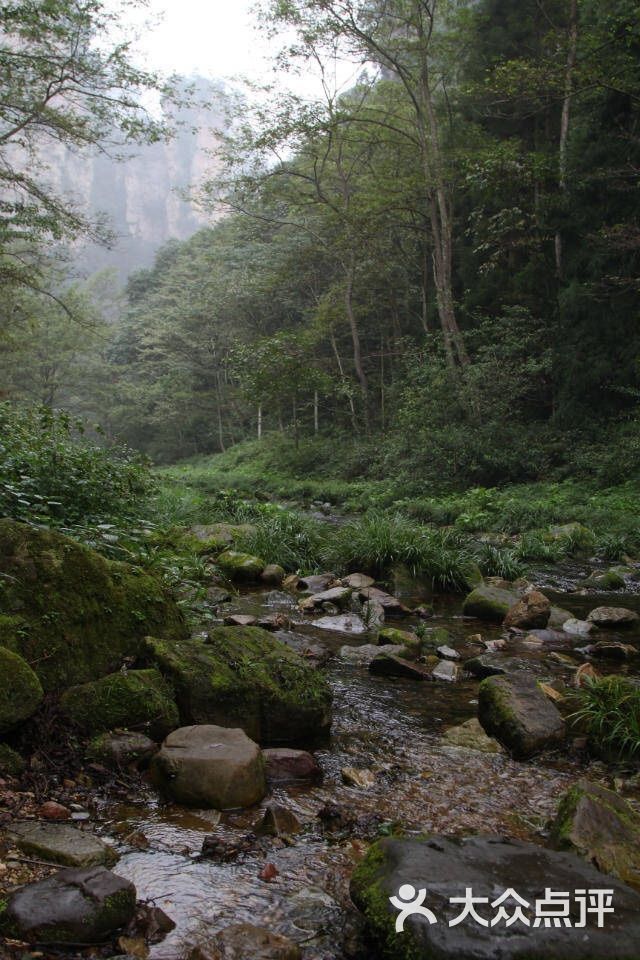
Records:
x=61, y=843
x=600, y=826
x=516, y=712
x=20, y=690
x=444, y=868
x=73, y=906
x=530, y=612
x=245, y=677
x=489, y=603
x=210, y=767
x=71, y=613
x=130, y=699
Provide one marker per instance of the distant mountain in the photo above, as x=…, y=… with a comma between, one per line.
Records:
x=140, y=195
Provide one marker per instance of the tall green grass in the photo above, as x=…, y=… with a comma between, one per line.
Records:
x=609, y=710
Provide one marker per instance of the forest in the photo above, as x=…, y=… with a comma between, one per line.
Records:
x=320, y=534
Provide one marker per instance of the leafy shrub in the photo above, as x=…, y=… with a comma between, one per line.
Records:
x=51, y=473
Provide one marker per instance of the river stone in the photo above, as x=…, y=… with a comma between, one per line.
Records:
x=60, y=843
x=358, y=581
x=489, y=603
x=578, y=628
x=470, y=736
x=363, y=655
x=284, y=764
x=278, y=821
x=446, y=670
x=20, y=690
x=73, y=906
x=342, y=623
x=391, y=605
x=558, y=618
x=497, y=665
x=316, y=583
x=605, y=581
x=339, y=596
x=391, y=665
x=246, y=677
x=446, y=867
x=240, y=620
x=135, y=698
x=72, y=614
x=243, y=941
x=530, y=612
x=273, y=574
x=608, y=650
x=218, y=595
x=600, y=826
x=373, y=614
x=240, y=566
x=613, y=617
x=210, y=767
x=122, y=748
x=516, y=712
x=447, y=653
x=403, y=638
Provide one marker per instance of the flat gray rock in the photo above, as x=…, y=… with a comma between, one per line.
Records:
x=446, y=867
x=61, y=843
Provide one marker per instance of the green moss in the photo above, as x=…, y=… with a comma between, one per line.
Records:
x=245, y=677
x=71, y=613
x=20, y=690
x=240, y=566
x=402, y=638
x=489, y=603
x=138, y=698
x=11, y=763
x=370, y=896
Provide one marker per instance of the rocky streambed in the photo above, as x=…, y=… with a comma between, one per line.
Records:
x=405, y=756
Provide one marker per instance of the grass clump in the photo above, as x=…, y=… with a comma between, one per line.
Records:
x=609, y=711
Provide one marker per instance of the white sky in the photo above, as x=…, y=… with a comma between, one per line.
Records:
x=217, y=39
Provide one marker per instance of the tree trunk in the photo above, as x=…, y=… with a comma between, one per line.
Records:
x=564, y=120
x=260, y=422
x=316, y=413
x=352, y=409
x=355, y=337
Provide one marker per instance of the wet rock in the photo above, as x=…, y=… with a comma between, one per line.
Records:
x=577, y=628
x=605, y=581
x=391, y=605
x=446, y=670
x=210, y=767
x=612, y=651
x=74, y=906
x=446, y=867
x=240, y=620
x=278, y=821
x=489, y=603
x=447, y=653
x=391, y=665
x=55, y=811
x=358, y=581
x=373, y=614
x=336, y=595
x=225, y=849
x=471, y=736
x=600, y=826
x=516, y=712
x=218, y=595
x=125, y=699
x=240, y=566
x=283, y=764
x=616, y=617
x=279, y=599
x=532, y=611
x=316, y=583
x=72, y=614
x=558, y=618
x=273, y=574
x=20, y=690
x=61, y=843
x=122, y=749
x=496, y=665
x=358, y=778
x=243, y=941
x=247, y=677
x=363, y=655
x=550, y=639
x=343, y=623
x=276, y=621
x=402, y=638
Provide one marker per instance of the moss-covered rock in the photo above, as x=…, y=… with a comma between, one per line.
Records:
x=135, y=699
x=403, y=638
x=11, y=763
x=71, y=613
x=489, y=603
x=579, y=537
x=20, y=690
x=244, y=677
x=600, y=826
x=605, y=580
x=240, y=566
x=516, y=712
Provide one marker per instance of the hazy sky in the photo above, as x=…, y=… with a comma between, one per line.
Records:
x=215, y=38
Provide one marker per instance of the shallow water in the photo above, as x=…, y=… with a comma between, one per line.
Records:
x=391, y=727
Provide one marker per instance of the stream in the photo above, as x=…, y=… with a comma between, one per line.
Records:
x=389, y=726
